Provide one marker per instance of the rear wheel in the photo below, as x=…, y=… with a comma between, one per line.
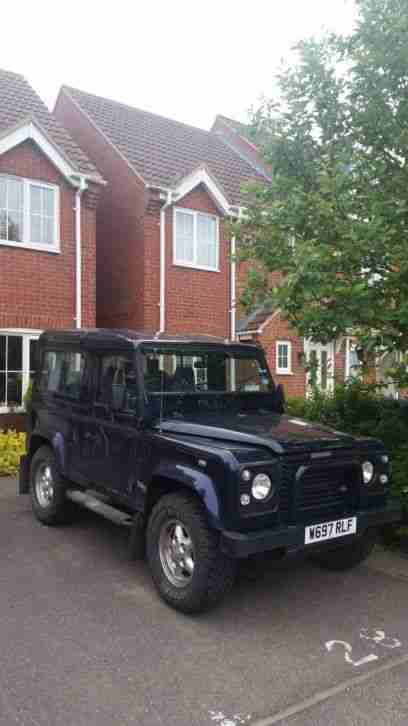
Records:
x=47, y=489
x=188, y=568
x=348, y=556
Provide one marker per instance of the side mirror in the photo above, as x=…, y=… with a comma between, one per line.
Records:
x=280, y=398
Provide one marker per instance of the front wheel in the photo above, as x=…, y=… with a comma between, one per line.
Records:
x=47, y=489
x=188, y=568
x=348, y=556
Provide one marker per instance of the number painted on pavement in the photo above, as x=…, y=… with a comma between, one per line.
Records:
x=380, y=638
x=348, y=649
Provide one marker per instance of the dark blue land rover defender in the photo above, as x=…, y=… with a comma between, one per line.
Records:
x=184, y=440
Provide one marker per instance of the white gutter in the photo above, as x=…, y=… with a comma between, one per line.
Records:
x=162, y=302
x=78, y=252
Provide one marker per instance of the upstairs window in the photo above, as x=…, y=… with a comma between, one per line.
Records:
x=29, y=214
x=196, y=239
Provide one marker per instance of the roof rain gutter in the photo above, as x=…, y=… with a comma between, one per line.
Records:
x=162, y=302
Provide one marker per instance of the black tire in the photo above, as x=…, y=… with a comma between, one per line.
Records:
x=348, y=556
x=59, y=509
x=213, y=572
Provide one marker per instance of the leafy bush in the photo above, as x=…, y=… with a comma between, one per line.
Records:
x=12, y=447
x=359, y=409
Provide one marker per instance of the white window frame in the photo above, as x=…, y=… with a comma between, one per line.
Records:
x=348, y=372
x=27, y=335
x=195, y=213
x=54, y=248
x=284, y=371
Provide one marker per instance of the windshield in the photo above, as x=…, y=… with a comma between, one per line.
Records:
x=184, y=380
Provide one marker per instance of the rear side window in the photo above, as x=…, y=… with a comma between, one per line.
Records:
x=63, y=372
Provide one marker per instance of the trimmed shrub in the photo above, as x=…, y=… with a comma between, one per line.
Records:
x=12, y=447
x=359, y=409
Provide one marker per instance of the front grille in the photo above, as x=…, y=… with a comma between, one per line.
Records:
x=321, y=488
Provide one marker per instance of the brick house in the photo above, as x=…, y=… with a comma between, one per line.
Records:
x=48, y=197
x=164, y=251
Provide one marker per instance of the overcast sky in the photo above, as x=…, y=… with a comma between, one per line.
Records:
x=184, y=59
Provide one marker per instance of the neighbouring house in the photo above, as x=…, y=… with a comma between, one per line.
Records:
x=49, y=191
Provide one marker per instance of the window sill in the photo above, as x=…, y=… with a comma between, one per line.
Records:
x=11, y=409
x=195, y=267
x=284, y=373
x=55, y=250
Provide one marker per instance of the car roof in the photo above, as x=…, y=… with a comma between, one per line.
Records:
x=125, y=339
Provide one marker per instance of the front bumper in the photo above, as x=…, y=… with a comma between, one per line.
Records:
x=292, y=537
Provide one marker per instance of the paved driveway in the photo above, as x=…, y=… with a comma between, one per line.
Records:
x=85, y=641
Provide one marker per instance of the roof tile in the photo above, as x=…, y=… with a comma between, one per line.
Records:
x=18, y=101
x=164, y=151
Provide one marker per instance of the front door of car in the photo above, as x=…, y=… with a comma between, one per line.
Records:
x=112, y=440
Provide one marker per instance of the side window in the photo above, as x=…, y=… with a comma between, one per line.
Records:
x=117, y=386
x=62, y=372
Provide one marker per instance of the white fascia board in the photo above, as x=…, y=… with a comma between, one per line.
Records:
x=29, y=130
x=201, y=176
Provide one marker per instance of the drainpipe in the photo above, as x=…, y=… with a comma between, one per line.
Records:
x=78, y=253
x=233, y=289
x=234, y=283
x=163, y=262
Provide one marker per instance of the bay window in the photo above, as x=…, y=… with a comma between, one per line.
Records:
x=196, y=239
x=17, y=365
x=29, y=214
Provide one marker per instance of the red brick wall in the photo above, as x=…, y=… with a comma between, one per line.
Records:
x=278, y=329
x=197, y=301
x=37, y=289
x=294, y=383
x=119, y=229
x=204, y=305
x=15, y=421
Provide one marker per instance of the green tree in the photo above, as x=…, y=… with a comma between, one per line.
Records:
x=335, y=219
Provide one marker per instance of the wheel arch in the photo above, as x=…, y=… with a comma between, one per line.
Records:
x=37, y=440
x=172, y=478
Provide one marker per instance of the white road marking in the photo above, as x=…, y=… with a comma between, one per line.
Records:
x=347, y=653
x=328, y=693
x=238, y=719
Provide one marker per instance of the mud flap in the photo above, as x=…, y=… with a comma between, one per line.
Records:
x=24, y=475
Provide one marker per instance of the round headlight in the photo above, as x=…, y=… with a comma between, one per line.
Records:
x=368, y=471
x=246, y=475
x=261, y=486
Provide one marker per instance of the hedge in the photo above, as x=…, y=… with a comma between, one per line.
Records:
x=12, y=447
x=359, y=409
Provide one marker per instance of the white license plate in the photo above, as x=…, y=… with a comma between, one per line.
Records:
x=330, y=530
